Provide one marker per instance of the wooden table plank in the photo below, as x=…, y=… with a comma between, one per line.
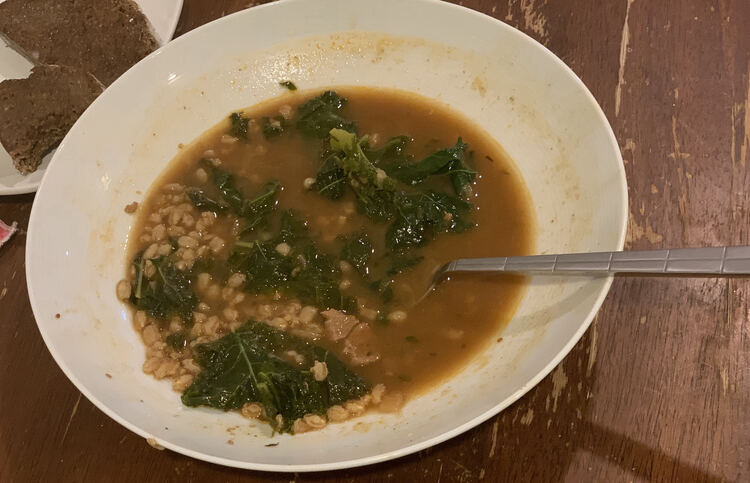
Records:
x=657, y=389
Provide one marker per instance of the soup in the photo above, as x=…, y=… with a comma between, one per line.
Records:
x=279, y=261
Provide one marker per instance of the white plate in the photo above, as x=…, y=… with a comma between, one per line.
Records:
x=519, y=91
x=163, y=15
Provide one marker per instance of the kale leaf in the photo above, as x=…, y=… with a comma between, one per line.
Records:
x=246, y=366
x=203, y=202
x=305, y=272
x=448, y=161
x=273, y=126
x=253, y=211
x=317, y=281
x=401, y=263
x=374, y=190
x=177, y=340
x=321, y=114
x=288, y=84
x=393, y=150
x=422, y=215
x=357, y=250
x=238, y=126
x=169, y=292
x=418, y=216
x=330, y=180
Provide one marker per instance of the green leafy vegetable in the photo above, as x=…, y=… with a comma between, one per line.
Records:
x=169, y=292
x=253, y=211
x=402, y=263
x=288, y=84
x=393, y=150
x=384, y=288
x=374, y=190
x=273, y=126
x=446, y=161
x=203, y=202
x=239, y=124
x=321, y=114
x=177, y=340
x=246, y=366
x=412, y=339
x=306, y=272
x=357, y=250
x=461, y=175
x=424, y=214
x=330, y=180
x=317, y=282
x=418, y=216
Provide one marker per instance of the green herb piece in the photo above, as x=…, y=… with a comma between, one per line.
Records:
x=177, y=341
x=357, y=250
x=273, y=126
x=402, y=263
x=203, y=202
x=239, y=124
x=168, y=293
x=288, y=84
x=245, y=366
x=321, y=114
x=412, y=339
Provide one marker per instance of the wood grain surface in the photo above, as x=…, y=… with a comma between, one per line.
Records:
x=659, y=387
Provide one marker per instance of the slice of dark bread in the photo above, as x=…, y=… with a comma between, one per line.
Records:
x=37, y=112
x=104, y=37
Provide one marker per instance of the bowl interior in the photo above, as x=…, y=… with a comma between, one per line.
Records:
x=523, y=95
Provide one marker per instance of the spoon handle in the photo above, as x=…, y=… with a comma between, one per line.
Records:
x=713, y=260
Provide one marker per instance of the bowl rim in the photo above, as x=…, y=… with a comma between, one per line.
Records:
x=406, y=450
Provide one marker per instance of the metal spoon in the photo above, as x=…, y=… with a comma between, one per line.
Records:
x=685, y=261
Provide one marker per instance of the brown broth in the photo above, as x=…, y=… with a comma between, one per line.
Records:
x=442, y=333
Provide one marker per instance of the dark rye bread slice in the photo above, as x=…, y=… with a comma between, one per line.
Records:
x=37, y=112
x=104, y=37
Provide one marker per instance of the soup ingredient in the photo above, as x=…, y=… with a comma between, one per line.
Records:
x=288, y=84
x=420, y=215
x=248, y=366
x=273, y=126
x=239, y=125
x=103, y=37
x=290, y=262
x=446, y=161
x=167, y=292
x=321, y=114
x=38, y=111
x=252, y=211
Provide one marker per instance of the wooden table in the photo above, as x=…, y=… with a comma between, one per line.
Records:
x=657, y=389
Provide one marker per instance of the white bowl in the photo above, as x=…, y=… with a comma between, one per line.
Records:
x=520, y=92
